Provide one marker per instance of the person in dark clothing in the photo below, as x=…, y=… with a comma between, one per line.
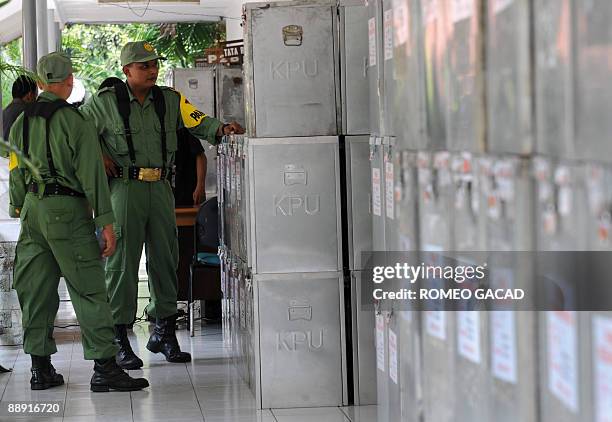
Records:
x=24, y=91
x=190, y=173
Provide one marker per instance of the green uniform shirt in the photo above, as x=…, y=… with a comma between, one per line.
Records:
x=76, y=156
x=145, y=126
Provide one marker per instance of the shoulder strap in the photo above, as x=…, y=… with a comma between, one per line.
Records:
x=46, y=110
x=160, y=109
x=123, y=105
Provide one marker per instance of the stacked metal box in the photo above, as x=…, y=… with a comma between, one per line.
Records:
x=503, y=104
x=217, y=91
x=292, y=291
x=573, y=176
x=485, y=133
x=354, y=140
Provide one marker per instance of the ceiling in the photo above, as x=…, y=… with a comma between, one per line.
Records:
x=92, y=11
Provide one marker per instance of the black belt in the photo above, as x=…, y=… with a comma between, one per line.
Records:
x=55, y=189
x=144, y=174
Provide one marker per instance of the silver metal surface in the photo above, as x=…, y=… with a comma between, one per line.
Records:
x=376, y=66
x=592, y=47
x=230, y=94
x=198, y=86
x=354, y=62
x=507, y=188
x=389, y=84
x=300, y=339
x=565, y=344
x=466, y=118
x=508, y=78
x=438, y=320
x=291, y=69
x=295, y=205
x=378, y=199
x=407, y=202
x=434, y=29
x=382, y=365
x=359, y=203
x=554, y=85
x=364, y=345
x=391, y=182
x=408, y=108
x=472, y=339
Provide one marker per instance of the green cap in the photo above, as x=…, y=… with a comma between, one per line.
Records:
x=54, y=67
x=138, y=52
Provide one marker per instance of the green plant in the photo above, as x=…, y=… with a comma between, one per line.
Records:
x=95, y=49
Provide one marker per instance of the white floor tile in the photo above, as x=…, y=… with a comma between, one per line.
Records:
x=361, y=413
x=208, y=387
x=320, y=414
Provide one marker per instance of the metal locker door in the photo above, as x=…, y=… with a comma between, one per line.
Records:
x=554, y=84
x=377, y=171
x=407, y=202
x=376, y=66
x=466, y=125
x=593, y=73
x=410, y=336
x=198, y=86
x=407, y=98
x=300, y=339
x=433, y=23
x=472, y=358
x=394, y=353
x=296, y=204
x=354, y=63
x=221, y=189
x=391, y=171
x=358, y=185
x=364, y=345
x=291, y=66
x=230, y=94
x=389, y=85
x=438, y=319
x=508, y=84
x=508, y=190
x=382, y=364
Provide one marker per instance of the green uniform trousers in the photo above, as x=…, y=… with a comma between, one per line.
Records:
x=58, y=238
x=144, y=213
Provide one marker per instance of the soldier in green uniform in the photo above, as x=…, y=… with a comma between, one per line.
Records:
x=138, y=122
x=57, y=230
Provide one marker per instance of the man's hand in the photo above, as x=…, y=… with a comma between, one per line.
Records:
x=199, y=194
x=110, y=242
x=109, y=166
x=231, y=128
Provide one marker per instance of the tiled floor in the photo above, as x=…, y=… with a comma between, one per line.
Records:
x=206, y=389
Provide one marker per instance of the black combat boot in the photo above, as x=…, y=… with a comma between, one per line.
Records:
x=109, y=376
x=126, y=358
x=43, y=374
x=164, y=340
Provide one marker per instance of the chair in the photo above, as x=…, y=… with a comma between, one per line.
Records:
x=204, y=270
